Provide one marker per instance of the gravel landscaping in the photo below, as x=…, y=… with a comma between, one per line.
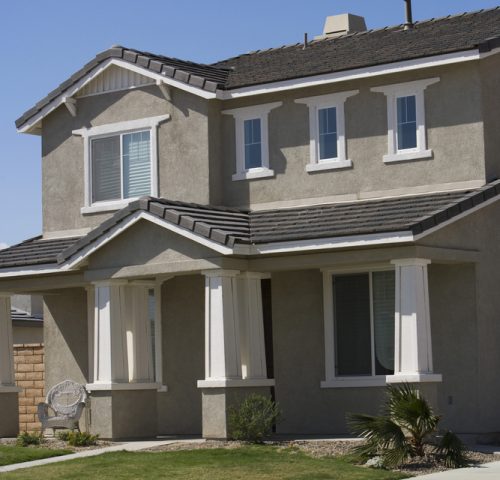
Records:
x=57, y=444
x=333, y=448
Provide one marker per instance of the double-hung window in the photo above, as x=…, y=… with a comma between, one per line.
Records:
x=327, y=131
x=252, y=141
x=360, y=327
x=407, y=136
x=120, y=163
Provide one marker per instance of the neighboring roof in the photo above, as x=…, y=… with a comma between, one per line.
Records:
x=34, y=251
x=22, y=318
x=469, y=31
x=230, y=227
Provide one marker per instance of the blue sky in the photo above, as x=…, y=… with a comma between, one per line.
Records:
x=44, y=42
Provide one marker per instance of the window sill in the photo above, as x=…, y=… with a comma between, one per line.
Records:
x=254, y=173
x=107, y=206
x=328, y=165
x=349, y=382
x=408, y=156
x=233, y=382
x=94, y=387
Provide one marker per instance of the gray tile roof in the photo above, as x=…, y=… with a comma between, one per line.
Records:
x=226, y=226
x=375, y=47
x=34, y=251
x=22, y=318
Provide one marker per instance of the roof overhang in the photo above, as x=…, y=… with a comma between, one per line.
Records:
x=33, y=124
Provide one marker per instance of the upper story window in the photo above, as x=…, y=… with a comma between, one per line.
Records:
x=120, y=163
x=327, y=131
x=407, y=136
x=252, y=145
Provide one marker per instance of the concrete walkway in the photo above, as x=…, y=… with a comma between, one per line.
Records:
x=129, y=447
x=481, y=472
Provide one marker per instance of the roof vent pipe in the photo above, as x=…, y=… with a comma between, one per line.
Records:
x=409, y=16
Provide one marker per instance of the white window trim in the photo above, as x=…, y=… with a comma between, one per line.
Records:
x=260, y=112
x=333, y=100
x=393, y=92
x=89, y=134
x=331, y=380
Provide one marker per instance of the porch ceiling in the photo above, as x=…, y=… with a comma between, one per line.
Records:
x=233, y=231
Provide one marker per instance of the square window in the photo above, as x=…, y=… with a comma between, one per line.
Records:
x=121, y=166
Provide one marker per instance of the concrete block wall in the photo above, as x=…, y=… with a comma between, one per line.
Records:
x=29, y=369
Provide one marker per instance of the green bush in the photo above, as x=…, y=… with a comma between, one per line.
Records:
x=253, y=420
x=406, y=425
x=63, y=435
x=81, y=439
x=25, y=439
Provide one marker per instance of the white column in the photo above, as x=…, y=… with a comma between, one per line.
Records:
x=413, y=345
x=6, y=343
x=253, y=351
x=139, y=348
x=222, y=336
x=110, y=345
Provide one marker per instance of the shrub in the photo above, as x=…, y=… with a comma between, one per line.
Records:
x=253, y=420
x=64, y=435
x=407, y=424
x=25, y=439
x=81, y=439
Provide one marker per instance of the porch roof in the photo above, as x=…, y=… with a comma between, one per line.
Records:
x=228, y=227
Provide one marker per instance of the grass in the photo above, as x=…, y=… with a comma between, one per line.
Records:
x=252, y=462
x=10, y=454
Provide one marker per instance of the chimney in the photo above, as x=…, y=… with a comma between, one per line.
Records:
x=409, y=16
x=337, y=25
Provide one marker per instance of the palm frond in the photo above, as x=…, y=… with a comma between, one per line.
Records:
x=451, y=450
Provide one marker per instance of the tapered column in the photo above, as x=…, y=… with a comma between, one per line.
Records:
x=413, y=345
x=253, y=352
x=9, y=410
x=222, y=335
x=110, y=343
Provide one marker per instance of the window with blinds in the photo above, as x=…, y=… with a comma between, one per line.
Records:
x=121, y=166
x=364, y=306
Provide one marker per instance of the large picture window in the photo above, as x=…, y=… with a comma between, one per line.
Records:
x=121, y=166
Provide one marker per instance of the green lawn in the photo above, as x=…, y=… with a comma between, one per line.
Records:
x=248, y=463
x=11, y=454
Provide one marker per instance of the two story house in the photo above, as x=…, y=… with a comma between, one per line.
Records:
x=311, y=222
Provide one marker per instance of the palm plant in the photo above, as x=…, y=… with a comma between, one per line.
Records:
x=406, y=425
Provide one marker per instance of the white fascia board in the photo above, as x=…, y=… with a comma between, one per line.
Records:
x=134, y=218
x=385, y=69
x=30, y=270
x=73, y=90
x=332, y=243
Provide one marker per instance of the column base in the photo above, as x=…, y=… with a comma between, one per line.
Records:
x=217, y=404
x=9, y=411
x=414, y=378
x=124, y=414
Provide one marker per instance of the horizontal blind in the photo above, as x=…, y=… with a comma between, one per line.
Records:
x=136, y=164
x=106, y=183
x=384, y=305
x=351, y=297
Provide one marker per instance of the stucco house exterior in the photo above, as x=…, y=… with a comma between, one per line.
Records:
x=313, y=221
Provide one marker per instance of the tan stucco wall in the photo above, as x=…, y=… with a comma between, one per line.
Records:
x=183, y=317
x=146, y=243
x=27, y=334
x=182, y=146
x=479, y=231
x=65, y=336
x=454, y=130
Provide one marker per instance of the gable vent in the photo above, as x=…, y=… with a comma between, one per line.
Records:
x=112, y=79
